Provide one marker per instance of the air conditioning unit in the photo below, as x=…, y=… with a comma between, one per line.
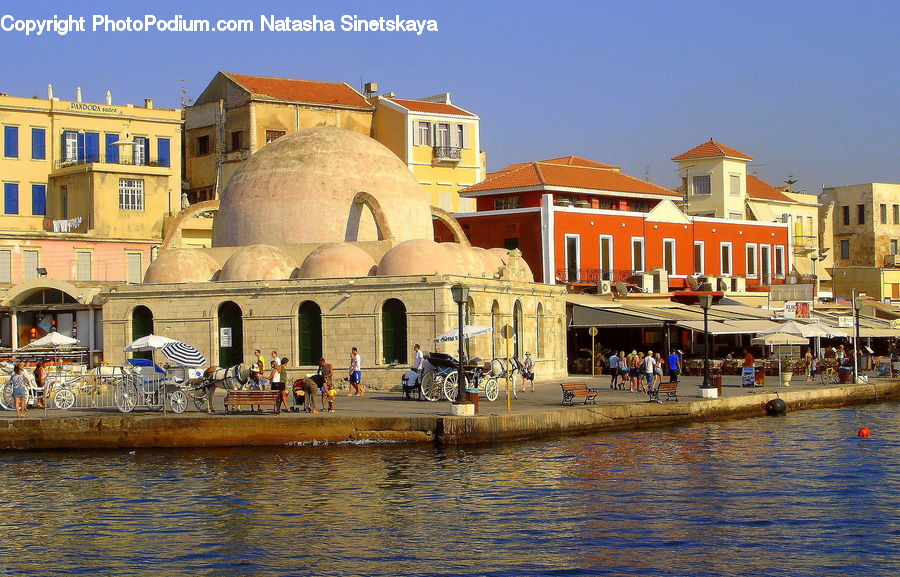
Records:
x=604, y=287
x=647, y=282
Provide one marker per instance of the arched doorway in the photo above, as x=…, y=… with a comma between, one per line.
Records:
x=141, y=326
x=393, y=332
x=539, y=332
x=497, y=349
x=518, y=326
x=231, y=334
x=310, y=333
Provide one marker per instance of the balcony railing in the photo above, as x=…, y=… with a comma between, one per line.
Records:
x=448, y=153
x=102, y=159
x=593, y=275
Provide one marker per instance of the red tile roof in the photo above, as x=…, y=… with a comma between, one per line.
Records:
x=541, y=174
x=759, y=190
x=431, y=107
x=307, y=91
x=711, y=149
x=566, y=160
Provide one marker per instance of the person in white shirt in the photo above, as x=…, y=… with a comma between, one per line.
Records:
x=419, y=364
x=528, y=372
x=649, y=369
x=356, y=388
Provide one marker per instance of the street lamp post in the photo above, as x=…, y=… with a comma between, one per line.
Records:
x=460, y=293
x=857, y=304
x=705, y=303
x=814, y=259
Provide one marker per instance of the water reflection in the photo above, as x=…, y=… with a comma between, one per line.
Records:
x=797, y=495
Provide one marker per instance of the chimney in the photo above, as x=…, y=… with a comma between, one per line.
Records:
x=148, y=103
x=49, y=92
x=108, y=98
x=78, y=94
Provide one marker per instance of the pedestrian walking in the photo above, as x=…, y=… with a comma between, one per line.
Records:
x=528, y=372
x=649, y=366
x=355, y=377
x=674, y=366
x=613, y=370
x=19, y=390
x=326, y=384
x=633, y=370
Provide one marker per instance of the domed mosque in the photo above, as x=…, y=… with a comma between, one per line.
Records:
x=322, y=241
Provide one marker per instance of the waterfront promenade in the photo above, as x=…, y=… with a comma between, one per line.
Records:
x=384, y=416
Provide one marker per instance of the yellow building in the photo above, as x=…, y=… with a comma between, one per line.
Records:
x=86, y=189
x=237, y=114
x=438, y=141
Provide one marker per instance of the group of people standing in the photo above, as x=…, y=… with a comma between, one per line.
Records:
x=639, y=372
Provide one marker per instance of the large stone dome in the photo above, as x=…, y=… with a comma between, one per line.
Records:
x=301, y=188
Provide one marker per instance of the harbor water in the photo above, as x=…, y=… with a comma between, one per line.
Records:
x=794, y=495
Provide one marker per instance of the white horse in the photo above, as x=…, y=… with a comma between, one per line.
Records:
x=231, y=379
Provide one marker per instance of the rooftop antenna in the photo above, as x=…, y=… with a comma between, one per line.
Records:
x=755, y=171
x=185, y=101
x=647, y=176
x=791, y=181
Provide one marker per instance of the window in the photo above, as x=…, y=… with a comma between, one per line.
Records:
x=669, y=255
x=82, y=265
x=10, y=198
x=31, y=260
x=701, y=185
x=860, y=214
x=141, y=150
x=894, y=247
x=511, y=243
x=883, y=214
x=507, y=202
x=573, y=257
x=765, y=263
x=39, y=143
x=640, y=205
x=751, y=260
x=897, y=214
x=133, y=262
x=699, y=257
x=112, y=149
x=70, y=146
x=39, y=199
x=725, y=256
x=393, y=332
x=202, y=145
x=237, y=140
x=734, y=184
x=605, y=204
x=272, y=135
x=637, y=254
x=163, y=151
x=461, y=135
x=131, y=194
x=846, y=215
x=423, y=133
x=11, y=141
x=606, y=258
x=5, y=266
x=779, y=261
x=443, y=135
x=92, y=147
x=845, y=248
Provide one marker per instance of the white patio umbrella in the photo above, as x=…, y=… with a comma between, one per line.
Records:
x=779, y=338
x=807, y=330
x=51, y=341
x=469, y=331
x=148, y=343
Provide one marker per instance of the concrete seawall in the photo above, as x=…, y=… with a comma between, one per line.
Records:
x=144, y=430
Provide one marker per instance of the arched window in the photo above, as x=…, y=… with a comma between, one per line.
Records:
x=231, y=334
x=141, y=326
x=496, y=349
x=518, y=326
x=310, y=333
x=539, y=332
x=393, y=332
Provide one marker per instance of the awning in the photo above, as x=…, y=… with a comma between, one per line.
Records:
x=583, y=316
x=736, y=327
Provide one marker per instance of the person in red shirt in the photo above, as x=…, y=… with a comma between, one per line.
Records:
x=748, y=359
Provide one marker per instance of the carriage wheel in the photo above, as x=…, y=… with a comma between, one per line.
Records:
x=450, y=386
x=178, y=401
x=432, y=384
x=64, y=399
x=126, y=397
x=6, y=398
x=199, y=398
x=491, y=389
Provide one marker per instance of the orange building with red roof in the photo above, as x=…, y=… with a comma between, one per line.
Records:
x=582, y=222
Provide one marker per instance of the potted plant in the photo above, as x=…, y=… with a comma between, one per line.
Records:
x=787, y=371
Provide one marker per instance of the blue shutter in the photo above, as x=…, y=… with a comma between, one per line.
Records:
x=92, y=147
x=80, y=146
x=112, y=151
x=39, y=199
x=163, y=151
x=38, y=143
x=11, y=141
x=11, y=198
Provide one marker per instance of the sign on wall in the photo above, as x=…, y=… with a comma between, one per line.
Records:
x=797, y=309
x=225, y=337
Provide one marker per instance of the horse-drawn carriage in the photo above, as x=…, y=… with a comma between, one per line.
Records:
x=442, y=379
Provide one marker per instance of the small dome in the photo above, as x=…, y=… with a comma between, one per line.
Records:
x=464, y=259
x=337, y=260
x=301, y=188
x=417, y=257
x=179, y=265
x=258, y=262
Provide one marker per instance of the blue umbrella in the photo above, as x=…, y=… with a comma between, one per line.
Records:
x=183, y=354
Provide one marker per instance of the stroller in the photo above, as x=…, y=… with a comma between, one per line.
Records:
x=298, y=394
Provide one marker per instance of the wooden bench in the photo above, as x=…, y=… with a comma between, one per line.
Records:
x=251, y=398
x=572, y=390
x=670, y=389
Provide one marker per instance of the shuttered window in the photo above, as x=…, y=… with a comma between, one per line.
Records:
x=39, y=143
x=164, y=153
x=39, y=199
x=10, y=198
x=5, y=266
x=11, y=141
x=112, y=151
x=30, y=262
x=92, y=147
x=423, y=133
x=133, y=260
x=82, y=265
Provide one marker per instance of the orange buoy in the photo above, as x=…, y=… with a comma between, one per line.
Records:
x=864, y=432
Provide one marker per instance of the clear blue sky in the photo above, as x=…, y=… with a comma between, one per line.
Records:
x=806, y=88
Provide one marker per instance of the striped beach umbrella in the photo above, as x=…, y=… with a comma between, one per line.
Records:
x=183, y=354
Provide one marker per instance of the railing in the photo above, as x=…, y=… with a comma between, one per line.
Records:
x=593, y=275
x=448, y=152
x=102, y=159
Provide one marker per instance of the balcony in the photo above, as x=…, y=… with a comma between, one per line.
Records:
x=447, y=153
x=102, y=159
